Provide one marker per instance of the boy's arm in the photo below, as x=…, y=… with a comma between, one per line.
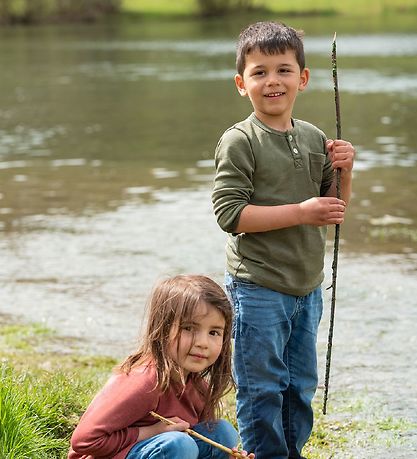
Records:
x=327, y=210
x=233, y=188
x=314, y=211
x=342, y=155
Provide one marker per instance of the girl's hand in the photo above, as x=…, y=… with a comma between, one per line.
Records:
x=341, y=154
x=179, y=426
x=146, y=432
x=243, y=453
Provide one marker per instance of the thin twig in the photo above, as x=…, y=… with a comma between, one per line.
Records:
x=199, y=436
x=337, y=233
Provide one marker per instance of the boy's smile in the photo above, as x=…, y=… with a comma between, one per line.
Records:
x=272, y=82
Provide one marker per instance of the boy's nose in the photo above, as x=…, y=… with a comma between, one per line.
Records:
x=273, y=82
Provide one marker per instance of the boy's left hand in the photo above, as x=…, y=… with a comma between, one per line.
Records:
x=341, y=154
x=242, y=453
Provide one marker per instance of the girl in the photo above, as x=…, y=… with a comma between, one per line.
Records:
x=181, y=371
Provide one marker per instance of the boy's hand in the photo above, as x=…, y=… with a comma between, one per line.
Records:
x=322, y=211
x=341, y=154
x=243, y=453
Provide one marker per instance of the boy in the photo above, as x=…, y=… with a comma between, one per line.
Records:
x=274, y=193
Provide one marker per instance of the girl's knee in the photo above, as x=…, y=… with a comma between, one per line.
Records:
x=226, y=433
x=178, y=445
x=220, y=431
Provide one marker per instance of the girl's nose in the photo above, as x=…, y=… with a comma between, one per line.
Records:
x=200, y=340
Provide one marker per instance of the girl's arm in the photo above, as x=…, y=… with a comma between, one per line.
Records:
x=146, y=432
x=108, y=425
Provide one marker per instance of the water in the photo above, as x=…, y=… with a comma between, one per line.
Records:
x=107, y=135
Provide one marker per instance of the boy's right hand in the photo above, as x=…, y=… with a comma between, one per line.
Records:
x=322, y=211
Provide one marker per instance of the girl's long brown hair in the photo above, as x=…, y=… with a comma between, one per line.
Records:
x=173, y=302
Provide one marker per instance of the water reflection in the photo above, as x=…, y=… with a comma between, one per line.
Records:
x=106, y=164
x=356, y=80
x=381, y=45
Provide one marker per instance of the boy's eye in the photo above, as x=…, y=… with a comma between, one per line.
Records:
x=259, y=73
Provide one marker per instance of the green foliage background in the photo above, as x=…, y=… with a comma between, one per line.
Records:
x=33, y=11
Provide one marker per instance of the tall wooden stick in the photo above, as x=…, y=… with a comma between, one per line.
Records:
x=199, y=436
x=337, y=234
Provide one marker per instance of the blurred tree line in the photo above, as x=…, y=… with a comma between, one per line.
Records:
x=32, y=11
x=218, y=7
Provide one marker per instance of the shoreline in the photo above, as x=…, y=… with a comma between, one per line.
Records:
x=357, y=423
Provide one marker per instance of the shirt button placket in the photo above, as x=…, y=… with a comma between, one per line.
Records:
x=298, y=162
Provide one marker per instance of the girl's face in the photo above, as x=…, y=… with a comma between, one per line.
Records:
x=200, y=340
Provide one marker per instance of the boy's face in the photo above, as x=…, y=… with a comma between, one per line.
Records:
x=272, y=83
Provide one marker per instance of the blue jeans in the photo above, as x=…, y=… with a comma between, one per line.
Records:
x=180, y=445
x=275, y=367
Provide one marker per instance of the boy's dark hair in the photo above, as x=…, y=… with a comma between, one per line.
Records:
x=270, y=38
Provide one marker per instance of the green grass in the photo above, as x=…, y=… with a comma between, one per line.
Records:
x=27, y=423
x=350, y=7
x=39, y=409
x=46, y=384
x=42, y=392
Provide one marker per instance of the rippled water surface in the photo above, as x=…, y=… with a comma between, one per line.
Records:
x=107, y=135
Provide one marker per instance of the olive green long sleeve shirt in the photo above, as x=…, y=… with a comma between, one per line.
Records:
x=258, y=165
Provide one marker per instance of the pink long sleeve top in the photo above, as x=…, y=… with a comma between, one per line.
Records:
x=110, y=426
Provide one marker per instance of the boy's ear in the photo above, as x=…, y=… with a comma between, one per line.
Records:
x=304, y=77
x=240, y=85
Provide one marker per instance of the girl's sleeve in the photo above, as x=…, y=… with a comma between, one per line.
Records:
x=233, y=185
x=109, y=424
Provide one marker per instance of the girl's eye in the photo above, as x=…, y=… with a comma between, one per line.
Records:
x=216, y=333
x=187, y=327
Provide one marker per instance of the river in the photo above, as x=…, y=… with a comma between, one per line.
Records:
x=107, y=134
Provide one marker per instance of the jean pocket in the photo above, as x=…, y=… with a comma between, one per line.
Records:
x=241, y=283
x=258, y=306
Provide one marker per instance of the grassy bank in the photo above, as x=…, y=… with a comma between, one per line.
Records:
x=44, y=387
x=46, y=383
x=348, y=7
